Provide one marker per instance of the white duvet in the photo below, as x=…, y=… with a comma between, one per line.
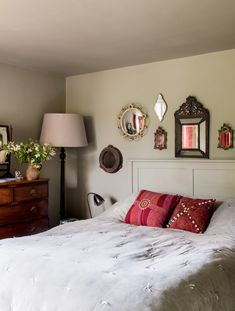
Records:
x=104, y=264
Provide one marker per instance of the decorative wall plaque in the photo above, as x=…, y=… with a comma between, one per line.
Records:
x=110, y=159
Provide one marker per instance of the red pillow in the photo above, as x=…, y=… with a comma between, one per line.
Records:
x=192, y=214
x=151, y=209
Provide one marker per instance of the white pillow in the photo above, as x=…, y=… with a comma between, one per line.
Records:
x=223, y=219
x=120, y=209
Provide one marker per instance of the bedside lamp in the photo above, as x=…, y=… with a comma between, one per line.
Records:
x=97, y=200
x=63, y=130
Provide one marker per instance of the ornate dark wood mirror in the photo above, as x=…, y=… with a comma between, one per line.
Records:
x=110, y=159
x=5, y=137
x=192, y=130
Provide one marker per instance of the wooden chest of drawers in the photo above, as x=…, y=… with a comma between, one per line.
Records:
x=23, y=207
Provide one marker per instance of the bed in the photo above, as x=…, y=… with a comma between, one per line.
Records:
x=106, y=264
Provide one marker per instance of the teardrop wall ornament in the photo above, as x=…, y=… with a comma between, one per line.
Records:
x=160, y=107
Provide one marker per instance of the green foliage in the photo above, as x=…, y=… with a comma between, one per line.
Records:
x=31, y=152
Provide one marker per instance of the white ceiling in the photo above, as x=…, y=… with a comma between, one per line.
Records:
x=79, y=36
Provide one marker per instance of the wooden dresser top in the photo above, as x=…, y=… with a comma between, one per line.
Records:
x=22, y=182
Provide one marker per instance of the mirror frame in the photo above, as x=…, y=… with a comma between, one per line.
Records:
x=191, y=109
x=160, y=107
x=160, y=138
x=225, y=131
x=145, y=119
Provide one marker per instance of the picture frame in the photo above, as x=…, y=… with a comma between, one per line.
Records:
x=5, y=137
x=160, y=139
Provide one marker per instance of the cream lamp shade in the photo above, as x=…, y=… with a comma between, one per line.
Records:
x=63, y=130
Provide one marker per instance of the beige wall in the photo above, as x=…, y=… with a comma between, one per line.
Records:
x=100, y=96
x=24, y=97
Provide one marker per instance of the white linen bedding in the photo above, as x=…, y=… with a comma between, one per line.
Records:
x=104, y=264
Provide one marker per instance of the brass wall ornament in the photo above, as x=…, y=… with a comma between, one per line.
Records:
x=132, y=121
x=225, y=137
x=160, y=139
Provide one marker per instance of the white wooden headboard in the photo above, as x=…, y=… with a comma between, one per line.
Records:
x=195, y=178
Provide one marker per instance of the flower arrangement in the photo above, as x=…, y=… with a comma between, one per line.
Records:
x=31, y=152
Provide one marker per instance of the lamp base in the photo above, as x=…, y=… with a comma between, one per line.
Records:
x=67, y=220
x=62, y=182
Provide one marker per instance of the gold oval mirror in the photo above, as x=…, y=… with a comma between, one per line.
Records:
x=132, y=121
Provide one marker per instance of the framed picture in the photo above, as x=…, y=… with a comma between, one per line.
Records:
x=5, y=137
x=160, y=139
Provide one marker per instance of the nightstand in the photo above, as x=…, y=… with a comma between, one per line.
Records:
x=23, y=207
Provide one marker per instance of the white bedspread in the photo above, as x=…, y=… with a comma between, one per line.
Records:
x=103, y=264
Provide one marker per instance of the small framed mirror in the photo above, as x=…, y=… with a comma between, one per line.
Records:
x=160, y=139
x=5, y=137
x=192, y=130
x=225, y=137
x=132, y=121
x=160, y=107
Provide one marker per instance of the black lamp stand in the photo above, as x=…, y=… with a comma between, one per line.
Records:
x=62, y=183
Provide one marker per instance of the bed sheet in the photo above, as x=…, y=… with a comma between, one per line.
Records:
x=104, y=264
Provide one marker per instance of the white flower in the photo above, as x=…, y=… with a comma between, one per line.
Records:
x=31, y=152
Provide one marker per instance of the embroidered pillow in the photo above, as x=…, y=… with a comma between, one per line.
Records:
x=151, y=209
x=192, y=214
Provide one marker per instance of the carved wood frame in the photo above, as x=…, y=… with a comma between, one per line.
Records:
x=115, y=153
x=189, y=110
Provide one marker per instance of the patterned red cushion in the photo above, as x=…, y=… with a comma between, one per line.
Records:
x=192, y=214
x=151, y=209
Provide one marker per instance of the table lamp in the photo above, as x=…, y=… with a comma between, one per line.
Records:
x=63, y=130
x=97, y=200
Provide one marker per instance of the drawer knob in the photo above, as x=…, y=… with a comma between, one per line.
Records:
x=33, y=192
x=33, y=209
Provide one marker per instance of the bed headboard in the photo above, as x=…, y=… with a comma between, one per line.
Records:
x=195, y=178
